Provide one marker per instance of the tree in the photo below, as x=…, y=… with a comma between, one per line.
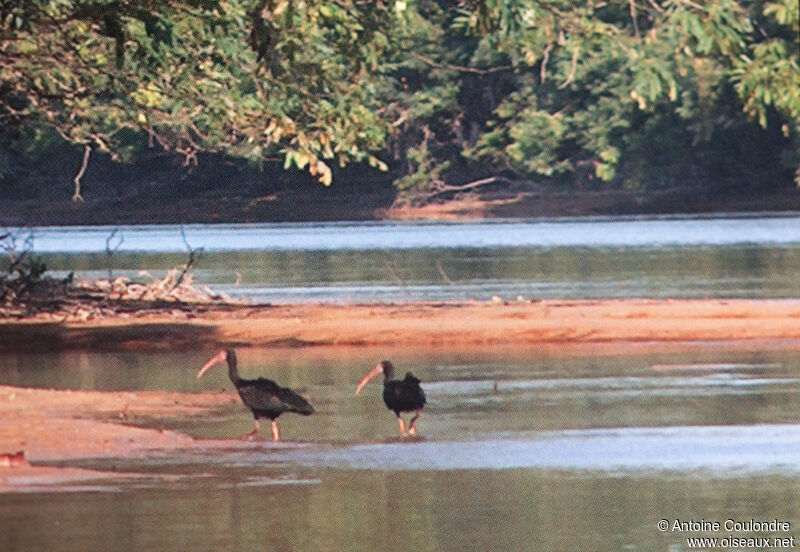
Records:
x=635, y=93
x=261, y=79
x=767, y=75
x=631, y=92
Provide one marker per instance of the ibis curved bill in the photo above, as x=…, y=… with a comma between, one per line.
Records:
x=404, y=395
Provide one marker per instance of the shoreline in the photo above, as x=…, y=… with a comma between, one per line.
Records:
x=140, y=200
x=62, y=433
x=425, y=325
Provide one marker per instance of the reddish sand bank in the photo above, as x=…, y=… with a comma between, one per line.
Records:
x=421, y=325
x=57, y=426
x=54, y=426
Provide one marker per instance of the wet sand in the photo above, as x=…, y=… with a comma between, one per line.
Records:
x=57, y=427
x=469, y=324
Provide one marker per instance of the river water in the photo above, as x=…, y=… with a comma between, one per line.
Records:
x=745, y=256
x=521, y=448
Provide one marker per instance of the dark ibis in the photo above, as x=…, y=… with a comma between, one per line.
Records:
x=403, y=395
x=265, y=398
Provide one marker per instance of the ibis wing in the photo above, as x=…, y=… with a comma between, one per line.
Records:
x=414, y=388
x=260, y=394
x=403, y=395
x=295, y=402
x=266, y=396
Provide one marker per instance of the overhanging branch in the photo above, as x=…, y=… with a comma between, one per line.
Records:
x=87, y=151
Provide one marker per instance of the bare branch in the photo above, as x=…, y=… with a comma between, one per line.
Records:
x=87, y=151
x=395, y=270
x=460, y=68
x=442, y=272
x=189, y=262
x=470, y=185
x=111, y=250
x=571, y=71
x=545, y=59
x=632, y=4
x=693, y=5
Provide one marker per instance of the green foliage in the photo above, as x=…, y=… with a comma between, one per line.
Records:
x=625, y=92
x=573, y=92
x=767, y=74
x=256, y=79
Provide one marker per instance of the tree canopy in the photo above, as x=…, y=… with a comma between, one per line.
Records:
x=641, y=93
x=251, y=79
x=627, y=92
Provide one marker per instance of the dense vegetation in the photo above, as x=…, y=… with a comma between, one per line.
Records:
x=634, y=93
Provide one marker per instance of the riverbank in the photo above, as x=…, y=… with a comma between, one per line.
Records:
x=61, y=433
x=158, y=190
x=49, y=429
x=467, y=324
x=313, y=203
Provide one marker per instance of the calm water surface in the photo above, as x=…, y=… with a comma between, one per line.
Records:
x=755, y=256
x=521, y=451
x=584, y=232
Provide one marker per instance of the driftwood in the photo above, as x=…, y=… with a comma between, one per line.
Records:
x=68, y=300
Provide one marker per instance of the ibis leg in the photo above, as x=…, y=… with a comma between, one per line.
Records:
x=412, y=429
x=276, y=433
x=248, y=436
x=402, y=425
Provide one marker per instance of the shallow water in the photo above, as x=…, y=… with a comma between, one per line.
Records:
x=584, y=232
x=384, y=262
x=470, y=392
x=520, y=451
x=478, y=510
